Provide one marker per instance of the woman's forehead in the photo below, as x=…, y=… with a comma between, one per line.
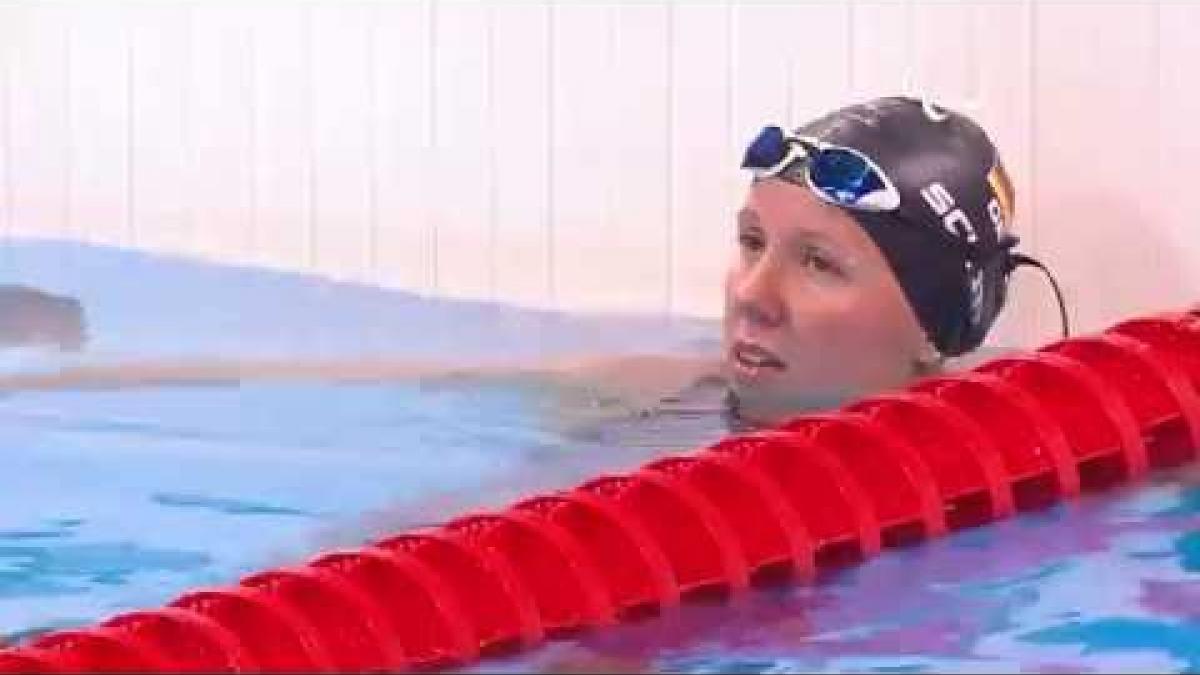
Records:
x=785, y=209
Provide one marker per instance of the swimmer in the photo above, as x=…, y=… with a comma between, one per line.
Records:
x=873, y=245
x=30, y=317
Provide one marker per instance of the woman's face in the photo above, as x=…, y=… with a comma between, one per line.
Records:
x=813, y=313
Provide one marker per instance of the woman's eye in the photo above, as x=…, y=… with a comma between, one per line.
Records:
x=821, y=263
x=750, y=242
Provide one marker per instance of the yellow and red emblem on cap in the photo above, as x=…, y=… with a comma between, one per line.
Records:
x=1002, y=189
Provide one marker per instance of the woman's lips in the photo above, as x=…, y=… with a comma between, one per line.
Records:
x=750, y=359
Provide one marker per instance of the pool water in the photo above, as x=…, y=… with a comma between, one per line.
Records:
x=121, y=499
x=1110, y=583
x=125, y=498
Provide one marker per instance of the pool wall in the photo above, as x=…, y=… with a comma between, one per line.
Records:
x=509, y=153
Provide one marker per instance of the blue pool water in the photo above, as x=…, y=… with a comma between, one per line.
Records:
x=1107, y=584
x=122, y=499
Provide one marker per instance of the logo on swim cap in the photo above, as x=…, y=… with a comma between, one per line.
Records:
x=932, y=112
x=1002, y=190
x=954, y=219
x=975, y=289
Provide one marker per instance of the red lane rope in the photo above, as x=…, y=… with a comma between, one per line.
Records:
x=952, y=451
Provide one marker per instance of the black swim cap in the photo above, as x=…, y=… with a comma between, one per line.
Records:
x=948, y=241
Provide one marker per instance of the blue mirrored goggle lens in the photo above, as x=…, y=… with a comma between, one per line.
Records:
x=843, y=176
x=766, y=150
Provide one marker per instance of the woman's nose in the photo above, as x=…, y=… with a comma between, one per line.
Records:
x=756, y=294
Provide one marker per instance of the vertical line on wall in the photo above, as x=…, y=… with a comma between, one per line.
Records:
x=1032, y=37
x=432, y=164
x=974, y=92
x=909, y=79
x=551, y=179
x=130, y=138
x=492, y=151
x=1160, y=205
x=188, y=206
x=731, y=60
x=68, y=157
x=308, y=95
x=789, y=89
x=669, y=183
x=6, y=136
x=608, y=116
x=372, y=132
x=851, y=54
x=250, y=239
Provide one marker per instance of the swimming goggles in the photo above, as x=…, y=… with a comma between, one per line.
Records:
x=838, y=175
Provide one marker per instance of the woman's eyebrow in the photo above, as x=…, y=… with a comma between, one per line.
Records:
x=805, y=236
x=809, y=234
x=748, y=217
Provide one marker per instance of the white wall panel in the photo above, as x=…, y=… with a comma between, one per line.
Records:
x=97, y=91
x=40, y=125
x=882, y=48
x=579, y=155
x=582, y=147
x=284, y=222
x=402, y=253
x=704, y=179
x=221, y=143
x=634, y=249
x=463, y=166
x=1095, y=84
x=522, y=128
x=342, y=60
x=10, y=19
x=159, y=114
x=1173, y=225
x=1001, y=99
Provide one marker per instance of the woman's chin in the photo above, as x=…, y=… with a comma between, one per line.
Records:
x=764, y=405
